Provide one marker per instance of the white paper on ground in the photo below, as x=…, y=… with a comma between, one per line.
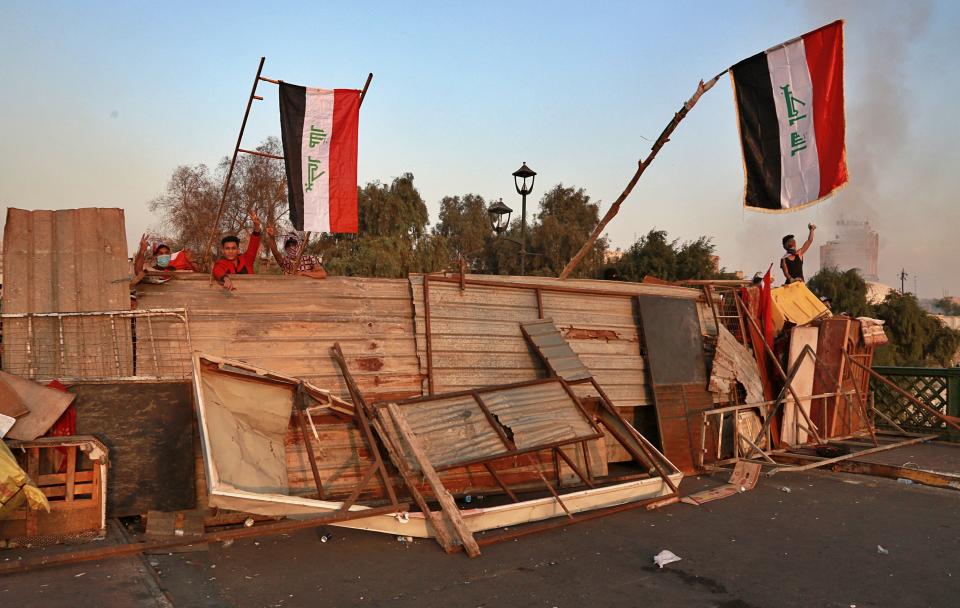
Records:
x=665, y=557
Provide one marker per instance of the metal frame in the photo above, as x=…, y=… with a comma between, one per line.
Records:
x=134, y=314
x=510, y=447
x=538, y=290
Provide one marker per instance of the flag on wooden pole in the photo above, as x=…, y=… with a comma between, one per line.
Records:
x=319, y=129
x=790, y=110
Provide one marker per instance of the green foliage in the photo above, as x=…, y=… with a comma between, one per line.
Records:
x=948, y=306
x=916, y=338
x=395, y=210
x=464, y=229
x=189, y=203
x=655, y=255
x=392, y=239
x=846, y=289
x=565, y=221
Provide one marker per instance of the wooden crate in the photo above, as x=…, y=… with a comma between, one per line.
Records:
x=72, y=473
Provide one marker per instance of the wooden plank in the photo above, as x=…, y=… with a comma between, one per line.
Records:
x=70, y=481
x=678, y=416
x=447, y=503
x=830, y=347
x=440, y=531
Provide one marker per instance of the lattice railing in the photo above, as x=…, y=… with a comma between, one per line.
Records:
x=98, y=346
x=939, y=388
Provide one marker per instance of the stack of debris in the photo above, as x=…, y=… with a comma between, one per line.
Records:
x=465, y=408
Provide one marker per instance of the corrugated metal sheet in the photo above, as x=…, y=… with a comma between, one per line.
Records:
x=454, y=430
x=733, y=362
x=560, y=357
x=73, y=260
x=289, y=324
x=476, y=338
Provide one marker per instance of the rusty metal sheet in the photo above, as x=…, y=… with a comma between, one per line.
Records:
x=554, y=349
x=455, y=431
x=475, y=338
x=72, y=260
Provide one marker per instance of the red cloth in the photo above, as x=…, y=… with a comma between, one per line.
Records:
x=243, y=264
x=178, y=261
x=65, y=426
x=765, y=308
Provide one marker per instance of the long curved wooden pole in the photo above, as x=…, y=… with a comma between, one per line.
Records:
x=702, y=88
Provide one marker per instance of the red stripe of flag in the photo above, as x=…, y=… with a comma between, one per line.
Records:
x=343, y=161
x=824, y=48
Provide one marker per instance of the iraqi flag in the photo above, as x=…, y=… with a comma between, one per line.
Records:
x=790, y=109
x=319, y=129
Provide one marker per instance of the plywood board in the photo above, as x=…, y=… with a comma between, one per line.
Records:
x=674, y=345
x=673, y=340
x=800, y=337
x=679, y=408
x=149, y=431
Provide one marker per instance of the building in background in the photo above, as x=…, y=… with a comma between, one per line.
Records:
x=856, y=245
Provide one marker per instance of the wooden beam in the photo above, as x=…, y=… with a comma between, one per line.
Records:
x=439, y=529
x=664, y=137
x=826, y=461
x=449, y=506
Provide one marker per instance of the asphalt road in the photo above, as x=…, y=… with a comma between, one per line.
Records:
x=813, y=546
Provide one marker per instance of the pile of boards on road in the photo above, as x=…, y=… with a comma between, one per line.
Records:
x=464, y=408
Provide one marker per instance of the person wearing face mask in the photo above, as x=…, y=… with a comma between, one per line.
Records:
x=792, y=261
x=161, y=258
x=310, y=265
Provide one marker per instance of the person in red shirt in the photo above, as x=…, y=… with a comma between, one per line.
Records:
x=234, y=262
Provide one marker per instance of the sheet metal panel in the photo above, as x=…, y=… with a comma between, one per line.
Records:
x=547, y=340
x=476, y=338
x=289, y=324
x=72, y=260
x=454, y=430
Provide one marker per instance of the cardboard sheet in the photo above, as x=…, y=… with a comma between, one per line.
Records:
x=743, y=479
x=10, y=402
x=46, y=406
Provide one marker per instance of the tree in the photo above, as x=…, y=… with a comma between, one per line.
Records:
x=948, y=306
x=566, y=219
x=655, y=255
x=916, y=338
x=392, y=240
x=846, y=289
x=189, y=204
x=464, y=229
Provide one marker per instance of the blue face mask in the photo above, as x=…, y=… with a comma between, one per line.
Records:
x=163, y=260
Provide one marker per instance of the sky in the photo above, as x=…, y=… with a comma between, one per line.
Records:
x=101, y=101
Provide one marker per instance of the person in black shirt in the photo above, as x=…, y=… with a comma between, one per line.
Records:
x=792, y=261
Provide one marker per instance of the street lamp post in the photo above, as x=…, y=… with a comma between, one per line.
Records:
x=499, y=216
x=520, y=177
